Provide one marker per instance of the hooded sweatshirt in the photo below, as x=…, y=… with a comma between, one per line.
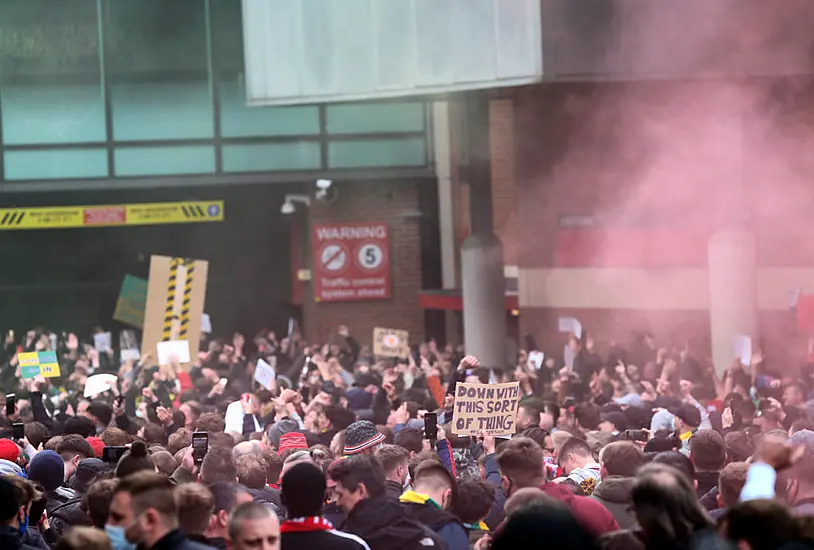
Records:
x=384, y=525
x=424, y=509
x=615, y=494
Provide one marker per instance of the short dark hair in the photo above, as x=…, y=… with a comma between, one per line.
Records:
x=274, y=465
x=622, y=458
x=211, y=422
x=435, y=474
x=708, y=451
x=553, y=409
x=390, y=456
x=731, y=482
x=588, y=415
x=411, y=439
x=195, y=505
x=577, y=446
x=530, y=409
x=154, y=433
x=35, y=432
x=761, y=523
x=677, y=461
x=356, y=470
x=475, y=499
x=97, y=500
x=340, y=417
x=164, y=461
x=150, y=490
x=521, y=459
x=80, y=425
x=798, y=425
x=251, y=471
x=539, y=435
x=218, y=466
x=72, y=445
x=225, y=495
x=303, y=490
x=102, y=411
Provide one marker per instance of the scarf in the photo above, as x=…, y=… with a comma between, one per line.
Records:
x=306, y=525
x=418, y=498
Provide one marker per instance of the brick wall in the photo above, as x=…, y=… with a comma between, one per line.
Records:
x=385, y=201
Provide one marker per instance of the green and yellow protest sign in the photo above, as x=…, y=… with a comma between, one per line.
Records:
x=33, y=364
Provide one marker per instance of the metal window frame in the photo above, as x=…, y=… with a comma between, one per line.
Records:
x=219, y=177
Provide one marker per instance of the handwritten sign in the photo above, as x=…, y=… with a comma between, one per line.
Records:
x=485, y=407
x=389, y=342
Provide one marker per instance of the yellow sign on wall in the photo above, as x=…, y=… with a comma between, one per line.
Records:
x=149, y=213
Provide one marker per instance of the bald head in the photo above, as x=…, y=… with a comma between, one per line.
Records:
x=247, y=447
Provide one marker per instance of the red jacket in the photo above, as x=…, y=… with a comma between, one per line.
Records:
x=589, y=512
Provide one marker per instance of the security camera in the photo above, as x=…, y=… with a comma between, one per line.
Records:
x=326, y=192
x=288, y=205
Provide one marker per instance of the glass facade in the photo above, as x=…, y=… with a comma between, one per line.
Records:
x=150, y=88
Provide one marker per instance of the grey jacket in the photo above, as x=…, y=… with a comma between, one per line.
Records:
x=614, y=493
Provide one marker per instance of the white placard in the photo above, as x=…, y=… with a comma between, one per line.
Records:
x=99, y=383
x=206, y=324
x=175, y=348
x=264, y=374
x=130, y=355
x=742, y=346
x=536, y=359
x=571, y=324
x=101, y=342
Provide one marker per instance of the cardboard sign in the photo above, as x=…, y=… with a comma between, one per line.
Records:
x=176, y=348
x=388, y=342
x=536, y=359
x=485, y=407
x=36, y=363
x=132, y=301
x=264, y=374
x=99, y=383
x=175, y=304
x=351, y=262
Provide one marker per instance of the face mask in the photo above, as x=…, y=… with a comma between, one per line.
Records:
x=117, y=539
x=24, y=525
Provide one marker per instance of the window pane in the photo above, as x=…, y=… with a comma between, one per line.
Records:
x=50, y=77
x=260, y=157
x=55, y=164
x=238, y=120
x=359, y=118
x=158, y=69
x=363, y=153
x=165, y=161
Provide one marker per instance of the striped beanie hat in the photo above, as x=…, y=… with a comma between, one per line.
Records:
x=360, y=436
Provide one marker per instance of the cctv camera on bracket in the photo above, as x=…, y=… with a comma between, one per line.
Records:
x=326, y=191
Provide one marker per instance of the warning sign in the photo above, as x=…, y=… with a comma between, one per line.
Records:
x=154, y=213
x=351, y=262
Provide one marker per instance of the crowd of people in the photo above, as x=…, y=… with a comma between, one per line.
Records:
x=642, y=447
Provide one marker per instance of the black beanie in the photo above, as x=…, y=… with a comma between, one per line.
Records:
x=303, y=490
x=134, y=460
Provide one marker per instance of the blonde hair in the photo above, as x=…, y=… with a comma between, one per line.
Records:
x=84, y=538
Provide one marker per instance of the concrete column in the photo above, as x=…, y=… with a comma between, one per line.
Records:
x=733, y=305
x=484, y=287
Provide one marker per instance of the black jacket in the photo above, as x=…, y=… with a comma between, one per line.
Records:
x=216, y=543
x=260, y=496
x=175, y=540
x=393, y=489
x=447, y=526
x=321, y=540
x=67, y=515
x=55, y=499
x=10, y=539
x=384, y=525
x=707, y=481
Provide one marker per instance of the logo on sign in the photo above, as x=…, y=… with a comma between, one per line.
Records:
x=334, y=258
x=100, y=216
x=213, y=210
x=370, y=256
x=391, y=341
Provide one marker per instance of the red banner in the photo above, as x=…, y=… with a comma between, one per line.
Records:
x=351, y=262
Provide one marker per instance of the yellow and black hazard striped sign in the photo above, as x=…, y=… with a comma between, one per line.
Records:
x=172, y=310
x=111, y=215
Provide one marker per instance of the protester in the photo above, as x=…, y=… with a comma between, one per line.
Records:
x=253, y=526
x=13, y=517
x=619, y=462
x=303, y=492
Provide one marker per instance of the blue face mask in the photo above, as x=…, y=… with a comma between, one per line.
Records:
x=117, y=539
